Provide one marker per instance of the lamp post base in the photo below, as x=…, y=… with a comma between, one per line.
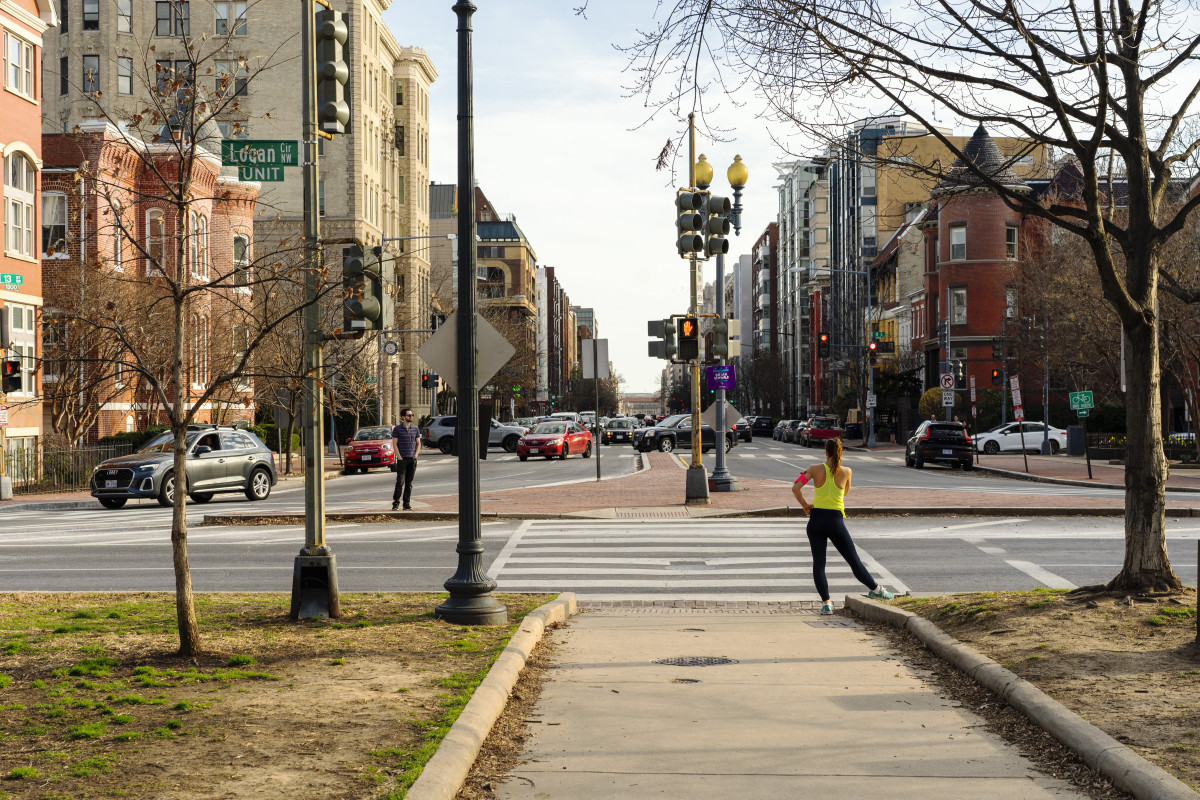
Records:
x=723, y=483
x=697, y=486
x=482, y=609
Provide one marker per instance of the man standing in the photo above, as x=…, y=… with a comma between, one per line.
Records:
x=406, y=441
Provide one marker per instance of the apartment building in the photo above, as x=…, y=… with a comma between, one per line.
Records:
x=107, y=59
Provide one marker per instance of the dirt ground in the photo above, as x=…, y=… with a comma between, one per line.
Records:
x=1130, y=666
x=93, y=702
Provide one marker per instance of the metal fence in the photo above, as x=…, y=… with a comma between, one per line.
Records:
x=36, y=471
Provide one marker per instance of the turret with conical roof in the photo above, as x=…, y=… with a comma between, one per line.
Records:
x=983, y=153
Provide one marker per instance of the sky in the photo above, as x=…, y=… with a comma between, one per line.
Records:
x=561, y=146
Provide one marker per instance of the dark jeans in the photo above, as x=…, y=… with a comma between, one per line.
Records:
x=827, y=525
x=406, y=468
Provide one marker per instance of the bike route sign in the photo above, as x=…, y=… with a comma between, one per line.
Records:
x=1081, y=401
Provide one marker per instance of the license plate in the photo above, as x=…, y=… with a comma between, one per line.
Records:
x=110, y=484
x=947, y=452
x=533, y=449
x=366, y=458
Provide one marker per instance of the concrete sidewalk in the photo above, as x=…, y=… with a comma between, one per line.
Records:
x=792, y=705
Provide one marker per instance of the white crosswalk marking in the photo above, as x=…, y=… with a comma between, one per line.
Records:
x=728, y=559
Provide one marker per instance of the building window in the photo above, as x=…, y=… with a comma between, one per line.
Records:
x=124, y=75
x=231, y=78
x=20, y=184
x=21, y=331
x=91, y=15
x=54, y=225
x=64, y=15
x=91, y=74
x=124, y=16
x=400, y=190
x=64, y=79
x=18, y=65
x=231, y=18
x=1010, y=303
x=320, y=197
x=199, y=351
x=241, y=261
x=198, y=247
x=958, y=243
x=118, y=238
x=489, y=251
x=958, y=306
x=400, y=139
x=171, y=18
x=156, y=242
x=1010, y=242
x=169, y=70
x=399, y=91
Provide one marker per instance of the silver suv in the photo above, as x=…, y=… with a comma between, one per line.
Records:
x=219, y=459
x=439, y=433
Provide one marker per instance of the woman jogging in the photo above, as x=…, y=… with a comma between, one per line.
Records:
x=831, y=484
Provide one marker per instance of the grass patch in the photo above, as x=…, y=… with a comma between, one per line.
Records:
x=92, y=730
x=240, y=661
x=22, y=773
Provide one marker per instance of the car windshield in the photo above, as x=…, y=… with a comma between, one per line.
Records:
x=165, y=441
x=671, y=422
x=620, y=423
x=372, y=434
x=824, y=423
x=550, y=428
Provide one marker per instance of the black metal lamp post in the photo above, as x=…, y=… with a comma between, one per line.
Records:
x=471, y=601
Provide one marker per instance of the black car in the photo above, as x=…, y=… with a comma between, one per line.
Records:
x=219, y=459
x=946, y=442
x=761, y=426
x=742, y=430
x=676, y=432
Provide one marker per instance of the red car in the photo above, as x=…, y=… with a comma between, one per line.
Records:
x=820, y=429
x=558, y=438
x=369, y=447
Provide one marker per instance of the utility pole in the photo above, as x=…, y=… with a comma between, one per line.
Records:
x=697, y=478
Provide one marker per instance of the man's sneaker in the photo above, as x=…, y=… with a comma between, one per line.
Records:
x=880, y=594
x=408, y=508
x=826, y=609
x=395, y=506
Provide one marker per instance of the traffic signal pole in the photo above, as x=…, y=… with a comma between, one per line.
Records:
x=697, y=478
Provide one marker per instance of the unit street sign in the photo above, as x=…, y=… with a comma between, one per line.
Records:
x=1081, y=401
x=260, y=159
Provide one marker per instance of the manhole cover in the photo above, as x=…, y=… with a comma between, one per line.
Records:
x=694, y=661
x=685, y=680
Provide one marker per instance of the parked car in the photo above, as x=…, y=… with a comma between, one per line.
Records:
x=675, y=432
x=795, y=431
x=934, y=441
x=1008, y=437
x=780, y=427
x=818, y=430
x=439, y=433
x=619, y=430
x=558, y=438
x=761, y=426
x=742, y=431
x=369, y=447
x=219, y=459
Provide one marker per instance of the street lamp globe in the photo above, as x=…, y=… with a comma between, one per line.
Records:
x=704, y=171
x=737, y=173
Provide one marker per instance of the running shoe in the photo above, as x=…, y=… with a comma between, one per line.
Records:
x=826, y=609
x=881, y=594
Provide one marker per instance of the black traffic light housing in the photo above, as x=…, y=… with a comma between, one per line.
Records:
x=689, y=223
x=689, y=339
x=362, y=287
x=663, y=329
x=333, y=72
x=823, y=344
x=716, y=225
x=997, y=348
x=720, y=338
x=872, y=348
x=10, y=380
x=996, y=377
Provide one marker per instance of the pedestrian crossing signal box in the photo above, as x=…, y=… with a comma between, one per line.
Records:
x=689, y=339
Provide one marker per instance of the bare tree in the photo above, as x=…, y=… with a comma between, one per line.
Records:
x=1108, y=86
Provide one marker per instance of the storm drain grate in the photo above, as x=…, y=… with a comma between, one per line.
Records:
x=636, y=513
x=694, y=661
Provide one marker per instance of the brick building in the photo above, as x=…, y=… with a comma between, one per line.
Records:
x=107, y=245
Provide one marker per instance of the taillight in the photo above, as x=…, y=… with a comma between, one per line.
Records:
x=967, y=437
x=925, y=436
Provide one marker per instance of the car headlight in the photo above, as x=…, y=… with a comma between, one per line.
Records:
x=144, y=467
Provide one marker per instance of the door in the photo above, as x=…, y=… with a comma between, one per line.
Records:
x=206, y=470
x=241, y=456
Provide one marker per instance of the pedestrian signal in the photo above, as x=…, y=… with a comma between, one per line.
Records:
x=689, y=339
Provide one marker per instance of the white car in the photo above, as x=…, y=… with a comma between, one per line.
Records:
x=1008, y=438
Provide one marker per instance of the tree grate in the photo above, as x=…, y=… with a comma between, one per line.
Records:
x=694, y=661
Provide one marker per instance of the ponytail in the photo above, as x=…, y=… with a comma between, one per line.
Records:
x=833, y=449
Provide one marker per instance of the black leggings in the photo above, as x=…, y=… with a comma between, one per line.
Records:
x=824, y=525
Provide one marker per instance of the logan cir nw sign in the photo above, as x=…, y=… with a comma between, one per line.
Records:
x=260, y=159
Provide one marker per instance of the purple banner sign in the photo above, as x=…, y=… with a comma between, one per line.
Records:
x=721, y=377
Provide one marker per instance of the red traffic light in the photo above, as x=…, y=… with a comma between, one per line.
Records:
x=873, y=346
x=823, y=337
x=11, y=381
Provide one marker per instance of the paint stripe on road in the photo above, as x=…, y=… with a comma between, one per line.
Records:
x=1044, y=576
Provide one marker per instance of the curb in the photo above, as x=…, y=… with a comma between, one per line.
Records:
x=444, y=774
x=1101, y=752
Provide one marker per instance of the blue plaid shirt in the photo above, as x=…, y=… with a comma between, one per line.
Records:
x=408, y=440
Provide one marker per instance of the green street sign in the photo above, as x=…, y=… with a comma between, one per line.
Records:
x=1081, y=400
x=368, y=378
x=1083, y=412
x=261, y=174
x=260, y=153
x=877, y=335
x=8, y=280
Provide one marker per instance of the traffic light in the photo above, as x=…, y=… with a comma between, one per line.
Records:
x=333, y=104
x=375, y=273
x=823, y=344
x=997, y=348
x=716, y=225
x=689, y=223
x=720, y=338
x=362, y=286
x=689, y=339
x=425, y=383
x=663, y=329
x=872, y=348
x=11, y=380
x=996, y=377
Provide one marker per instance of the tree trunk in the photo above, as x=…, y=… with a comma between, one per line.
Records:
x=1146, y=567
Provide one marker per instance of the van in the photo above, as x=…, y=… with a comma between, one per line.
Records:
x=567, y=415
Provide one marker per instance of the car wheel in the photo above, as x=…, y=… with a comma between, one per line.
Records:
x=566, y=451
x=166, y=492
x=967, y=466
x=919, y=463
x=259, y=487
x=510, y=443
x=587, y=451
x=666, y=444
x=728, y=445
x=113, y=502
x=908, y=462
x=1054, y=448
x=446, y=445
x=522, y=458
x=201, y=497
x=991, y=448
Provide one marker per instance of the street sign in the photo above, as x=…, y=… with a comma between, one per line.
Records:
x=1083, y=412
x=974, y=412
x=721, y=377
x=3, y=416
x=492, y=352
x=947, y=399
x=1018, y=413
x=946, y=380
x=1014, y=383
x=1081, y=401
x=870, y=400
x=368, y=379
x=8, y=280
x=260, y=153
x=1016, y=397
x=972, y=381
x=390, y=348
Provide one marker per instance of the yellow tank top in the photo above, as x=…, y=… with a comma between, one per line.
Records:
x=828, y=495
